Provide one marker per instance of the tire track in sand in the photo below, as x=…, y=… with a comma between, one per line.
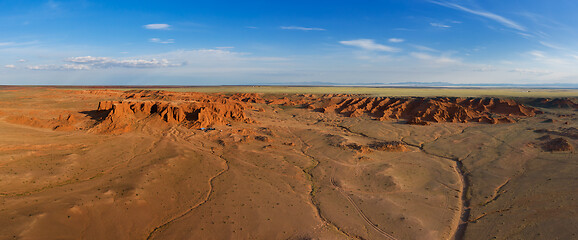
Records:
x=360, y=212
x=308, y=172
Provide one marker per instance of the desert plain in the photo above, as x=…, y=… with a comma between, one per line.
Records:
x=287, y=163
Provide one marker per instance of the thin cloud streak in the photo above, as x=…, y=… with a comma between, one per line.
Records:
x=440, y=25
x=434, y=59
x=63, y=67
x=502, y=20
x=89, y=63
x=552, y=46
x=531, y=71
x=158, y=40
x=158, y=26
x=17, y=44
x=6, y=44
x=104, y=62
x=369, y=44
x=302, y=28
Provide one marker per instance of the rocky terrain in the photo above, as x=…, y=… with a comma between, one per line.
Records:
x=201, y=110
x=120, y=116
x=151, y=164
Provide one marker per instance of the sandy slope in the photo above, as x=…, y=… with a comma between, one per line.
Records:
x=276, y=171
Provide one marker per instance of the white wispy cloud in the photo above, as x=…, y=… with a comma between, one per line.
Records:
x=204, y=54
x=502, y=20
x=396, y=40
x=18, y=44
x=10, y=66
x=553, y=46
x=158, y=40
x=369, y=44
x=105, y=62
x=440, y=25
x=525, y=35
x=158, y=26
x=434, y=59
x=89, y=62
x=302, y=28
x=554, y=60
x=63, y=67
x=538, y=54
x=3, y=44
x=531, y=71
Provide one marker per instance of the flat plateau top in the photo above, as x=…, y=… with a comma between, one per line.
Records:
x=397, y=92
x=373, y=91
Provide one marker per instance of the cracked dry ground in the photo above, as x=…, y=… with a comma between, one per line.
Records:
x=294, y=173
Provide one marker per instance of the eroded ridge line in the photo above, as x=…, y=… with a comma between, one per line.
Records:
x=489, y=213
x=497, y=192
x=206, y=199
x=360, y=212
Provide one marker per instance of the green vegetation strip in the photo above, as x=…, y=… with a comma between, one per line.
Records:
x=393, y=92
x=372, y=91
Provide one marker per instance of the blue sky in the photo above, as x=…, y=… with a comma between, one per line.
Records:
x=254, y=42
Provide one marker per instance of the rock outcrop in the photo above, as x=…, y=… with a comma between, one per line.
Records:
x=423, y=110
x=557, y=145
x=64, y=122
x=570, y=132
x=391, y=146
x=555, y=103
x=122, y=115
x=416, y=110
x=205, y=110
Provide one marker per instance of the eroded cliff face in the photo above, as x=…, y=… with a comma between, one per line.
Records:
x=206, y=110
x=420, y=110
x=123, y=115
x=160, y=109
x=415, y=110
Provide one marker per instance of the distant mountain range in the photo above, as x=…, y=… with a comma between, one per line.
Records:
x=429, y=84
x=316, y=83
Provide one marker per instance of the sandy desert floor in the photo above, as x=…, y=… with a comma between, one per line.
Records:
x=116, y=164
